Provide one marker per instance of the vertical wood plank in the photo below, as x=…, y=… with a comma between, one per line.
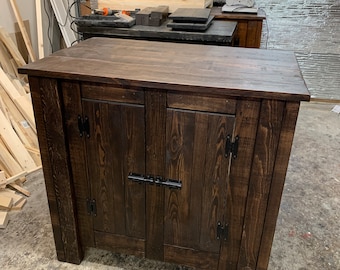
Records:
x=178, y=229
x=23, y=30
x=133, y=137
x=252, y=34
x=40, y=32
x=195, y=155
x=47, y=105
x=76, y=145
x=281, y=163
x=155, y=102
x=242, y=33
x=214, y=195
x=111, y=156
x=103, y=158
x=267, y=138
x=257, y=43
x=47, y=167
x=246, y=122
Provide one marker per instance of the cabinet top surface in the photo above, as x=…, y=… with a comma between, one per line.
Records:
x=205, y=69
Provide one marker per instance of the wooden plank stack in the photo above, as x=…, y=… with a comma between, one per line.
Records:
x=19, y=150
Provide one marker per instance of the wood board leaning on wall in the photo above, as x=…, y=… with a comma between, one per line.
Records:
x=19, y=150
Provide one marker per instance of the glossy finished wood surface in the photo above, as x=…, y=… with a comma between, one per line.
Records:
x=184, y=67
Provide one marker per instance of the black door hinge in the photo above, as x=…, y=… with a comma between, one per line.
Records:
x=222, y=231
x=83, y=126
x=91, y=207
x=231, y=147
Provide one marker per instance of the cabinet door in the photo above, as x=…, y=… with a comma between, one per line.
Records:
x=195, y=154
x=115, y=148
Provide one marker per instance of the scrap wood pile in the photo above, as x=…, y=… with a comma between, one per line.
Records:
x=19, y=151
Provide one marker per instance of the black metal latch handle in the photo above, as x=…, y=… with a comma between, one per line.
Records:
x=157, y=180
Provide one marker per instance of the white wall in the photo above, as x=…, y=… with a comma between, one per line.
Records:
x=28, y=12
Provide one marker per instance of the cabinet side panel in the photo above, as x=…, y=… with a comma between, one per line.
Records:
x=47, y=166
x=279, y=175
x=257, y=43
x=48, y=106
x=252, y=32
x=267, y=139
x=246, y=122
x=155, y=103
x=73, y=108
x=241, y=34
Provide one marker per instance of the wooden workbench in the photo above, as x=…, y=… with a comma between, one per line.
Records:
x=173, y=152
x=219, y=33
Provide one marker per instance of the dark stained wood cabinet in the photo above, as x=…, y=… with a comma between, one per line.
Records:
x=249, y=26
x=173, y=152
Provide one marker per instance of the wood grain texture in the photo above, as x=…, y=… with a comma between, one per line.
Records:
x=223, y=71
x=155, y=102
x=111, y=157
x=195, y=155
x=291, y=111
x=12, y=48
x=23, y=30
x=190, y=257
x=254, y=29
x=165, y=110
x=249, y=26
x=47, y=103
x=120, y=243
x=267, y=139
x=199, y=103
x=246, y=122
x=112, y=93
x=72, y=108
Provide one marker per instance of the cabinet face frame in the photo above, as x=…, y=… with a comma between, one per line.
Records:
x=254, y=189
x=263, y=89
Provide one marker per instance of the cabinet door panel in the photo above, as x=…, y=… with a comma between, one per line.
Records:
x=116, y=148
x=195, y=155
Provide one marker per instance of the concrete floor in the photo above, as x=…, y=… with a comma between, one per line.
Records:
x=311, y=29
x=307, y=235
x=308, y=232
